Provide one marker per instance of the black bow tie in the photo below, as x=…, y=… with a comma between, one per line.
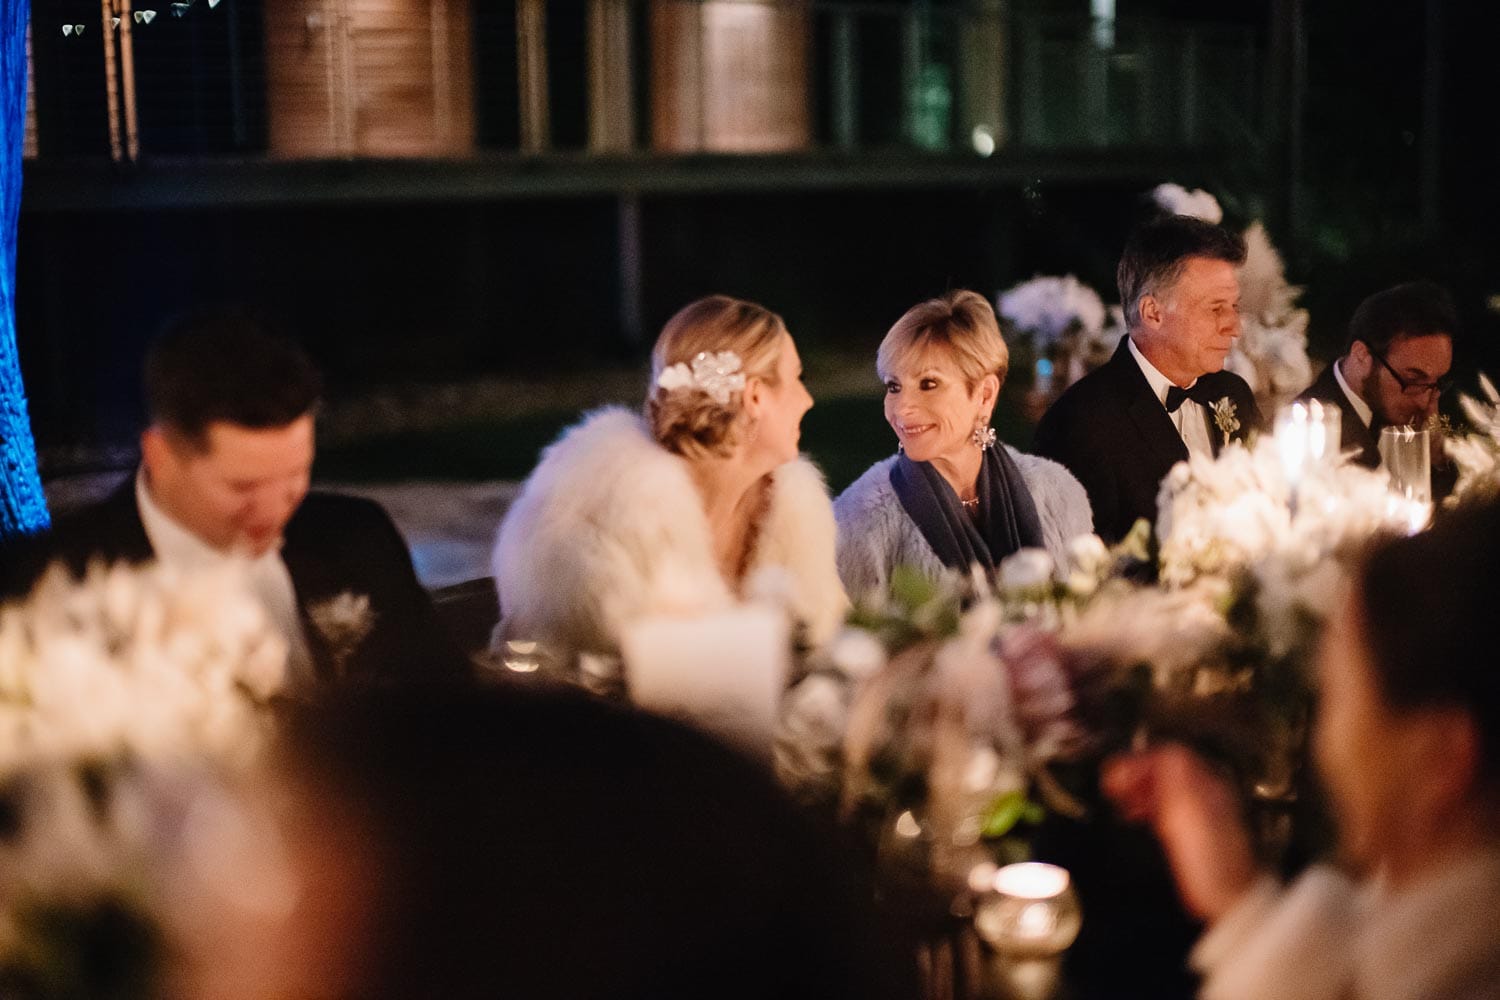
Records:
x=1198, y=392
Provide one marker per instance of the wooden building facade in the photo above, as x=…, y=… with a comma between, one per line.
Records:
x=379, y=78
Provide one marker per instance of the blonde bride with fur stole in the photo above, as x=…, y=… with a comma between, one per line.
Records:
x=682, y=510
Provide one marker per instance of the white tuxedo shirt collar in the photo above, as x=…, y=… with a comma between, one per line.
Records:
x=1361, y=408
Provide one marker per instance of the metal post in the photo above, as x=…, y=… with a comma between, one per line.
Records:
x=1033, y=121
x=912, y=46
x=440, y=35
x=1188, y=110
x=611, y=77
x=127, y=82
x=982, y=77
x=632, y=322
x=531, y=67
x=844, y=75
x=1095, y=52
x=110, y=39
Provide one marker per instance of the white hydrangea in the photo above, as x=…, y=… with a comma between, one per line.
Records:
x=1178, y=200
x=1049, y=308
x=142, y=662
x=1477, y=455
x=1173, y=630
x=1216, y=516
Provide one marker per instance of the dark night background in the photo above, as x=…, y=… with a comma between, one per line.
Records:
x=413, y=288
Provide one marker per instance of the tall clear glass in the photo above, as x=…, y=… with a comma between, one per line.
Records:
x=1406, y=456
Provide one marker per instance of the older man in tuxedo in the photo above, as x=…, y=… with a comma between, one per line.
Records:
x=1394, y=367
x=224, y=475
x=1164, y=394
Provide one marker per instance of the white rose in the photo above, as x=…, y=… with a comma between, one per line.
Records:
x=1027, y=569
x=857, y=653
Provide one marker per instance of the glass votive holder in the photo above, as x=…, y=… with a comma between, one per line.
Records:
x=1406, y=456
x=1307, y=435
x=1029, y=910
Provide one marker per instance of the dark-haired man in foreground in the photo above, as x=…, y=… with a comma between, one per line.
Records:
x=1164, y=394
x=225, y=468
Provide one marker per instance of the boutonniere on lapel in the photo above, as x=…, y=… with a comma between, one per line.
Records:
x=343, y=622
x=1225, y=419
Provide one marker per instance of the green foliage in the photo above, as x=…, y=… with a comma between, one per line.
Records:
x=913, y=609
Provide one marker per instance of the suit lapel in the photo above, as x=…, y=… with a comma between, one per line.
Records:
x=1225, y=387
x=1215, y=436
x=1145, y=410
x=312, y=581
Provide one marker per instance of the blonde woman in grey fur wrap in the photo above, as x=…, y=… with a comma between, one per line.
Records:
x=952, y=498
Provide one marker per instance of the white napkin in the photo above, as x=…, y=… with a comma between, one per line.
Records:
x=723, y=672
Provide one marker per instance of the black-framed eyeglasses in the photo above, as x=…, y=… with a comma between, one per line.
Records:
x=1414, y=389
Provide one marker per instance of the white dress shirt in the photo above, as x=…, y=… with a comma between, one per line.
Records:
x=1191, y=419
x=267, y=576
x=1360, y=406
x=1327, y=937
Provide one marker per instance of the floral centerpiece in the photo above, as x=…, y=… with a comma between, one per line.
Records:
x=1064, y=323
x=949, y=715
x=1476, y=454
x=120, y=694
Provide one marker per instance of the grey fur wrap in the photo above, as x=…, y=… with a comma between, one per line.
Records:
x=875, y=534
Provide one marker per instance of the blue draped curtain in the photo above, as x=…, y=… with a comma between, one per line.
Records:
x=23, y=508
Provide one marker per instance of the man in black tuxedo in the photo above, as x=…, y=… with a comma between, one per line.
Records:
x=224, y=474
x=1164, y=394
x=1394, y=367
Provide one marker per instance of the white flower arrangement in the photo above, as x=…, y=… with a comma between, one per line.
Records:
x=1477, y=455
x=1216, y=516
x=1239, y=520
x=145, y=663
x=1271, y=352
x=1178, y=200
x=1170, y=630
x=716, y=374
x=128, y=699
x=1050, y=308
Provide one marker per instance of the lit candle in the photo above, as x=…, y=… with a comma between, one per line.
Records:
x=1291, y=441
x=1307, y=435
x=1029, y=910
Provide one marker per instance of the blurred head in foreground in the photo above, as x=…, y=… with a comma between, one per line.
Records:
x=1408, y=738
x=545, y=844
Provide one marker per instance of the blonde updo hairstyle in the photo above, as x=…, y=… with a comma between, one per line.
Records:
x=962, y=324
x=689, y=421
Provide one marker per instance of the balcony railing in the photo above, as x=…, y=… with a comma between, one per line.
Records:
x=444, y=79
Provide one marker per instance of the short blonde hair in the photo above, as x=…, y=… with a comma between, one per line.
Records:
x=691, y=423
x=961, y=322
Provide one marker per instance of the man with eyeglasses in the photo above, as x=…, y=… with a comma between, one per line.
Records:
x=1394, y=367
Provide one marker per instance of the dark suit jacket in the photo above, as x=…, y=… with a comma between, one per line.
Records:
x=1112, y=432
x=1354, y=435
x=333, y=544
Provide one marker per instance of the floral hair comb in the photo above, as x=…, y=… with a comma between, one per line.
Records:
x=715, y=373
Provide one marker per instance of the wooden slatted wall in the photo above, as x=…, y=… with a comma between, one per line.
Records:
x=729, y=76
x=369, y=78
